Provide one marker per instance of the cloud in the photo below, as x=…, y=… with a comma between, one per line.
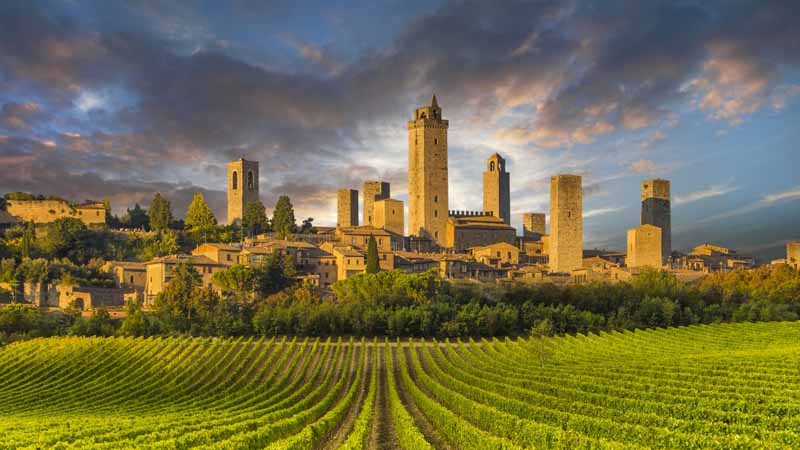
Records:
x=644, y=166
x=764, y=202
x=653, y=139
x=709, y=192
x=602, y=211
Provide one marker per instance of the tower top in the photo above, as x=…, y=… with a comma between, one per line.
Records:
x=434, y=103
x=432, y=112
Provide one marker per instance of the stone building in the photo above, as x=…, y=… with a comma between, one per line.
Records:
x=128, y=274
x=427, y=173
x=656, y=211
x=87, y=298
x=347, y=208
x=533, y=225
x=716, y=258
x=499, y=254
x=566, y=223
x=225, y=254
x=50, y=210
x=497, y=188
x=159, y=272
x=793, y=254
x=644, y=247
x=242, y=187
x=467, y=229
x=388, y=214
x=373, y=191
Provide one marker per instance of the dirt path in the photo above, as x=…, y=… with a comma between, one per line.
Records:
x=382, y=436
x=424, y=425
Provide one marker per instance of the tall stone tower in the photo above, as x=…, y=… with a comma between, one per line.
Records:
x=427, y=173
x=793, y=254
x=497, y=189
x=533, y=225
x=242, y=187
x=566, y=223
x=373, y=191
x=347, y=208
x=656, y=211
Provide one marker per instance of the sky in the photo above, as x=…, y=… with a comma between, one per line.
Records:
x=120, y=100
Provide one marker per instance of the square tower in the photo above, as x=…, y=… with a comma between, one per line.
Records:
x=793, y=254
x=533, y=225
x=242, y=187
x=497, y=189
x=373, y=191
x=427, y=174
x=644, y=247
x=566, y=223
x=347, y=208
x=656, y=211
x=389, y=216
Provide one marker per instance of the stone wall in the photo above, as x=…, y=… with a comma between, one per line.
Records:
x=388, y=214
x=46, y=211
x=566, y=223
x=533, y=225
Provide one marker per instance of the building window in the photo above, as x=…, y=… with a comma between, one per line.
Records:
x=436, y=234
x=229, y=256
x=251, y=182
x=234, y=180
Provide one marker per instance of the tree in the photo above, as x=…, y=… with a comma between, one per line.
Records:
x=283, y=222
x=160, y=213
x=26, y=243
x=542, y=330
x=136, y=218
x=372, y=256
x=255, y=220
x=174, y=304
x=3, y=204
x=199, y=215
x=65, y=238
x=308, y=226
x=238, y=280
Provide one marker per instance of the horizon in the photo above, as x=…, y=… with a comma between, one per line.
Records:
x=119, y=101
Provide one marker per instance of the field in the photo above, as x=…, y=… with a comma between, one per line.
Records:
x=712, y=386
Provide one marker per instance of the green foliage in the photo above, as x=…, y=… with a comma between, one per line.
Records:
x=254, y=220
x=199, y=215
x=136, y=218
x=100, y=324
x=18, y=321
x=26, y=243
x=283, y=221
x=139, y=323
x=308, y=226
x=373, y=265
x=66, y=237
x=160, y=213
x=175, y=304
x=238, y=280
x=163, y=244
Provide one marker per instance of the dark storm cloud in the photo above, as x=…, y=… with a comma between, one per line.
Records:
x=585, y=69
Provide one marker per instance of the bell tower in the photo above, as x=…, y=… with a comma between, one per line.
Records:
x=242, y=187
x=427, y=173
x=497, y=189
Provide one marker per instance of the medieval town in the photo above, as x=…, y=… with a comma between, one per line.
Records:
x=478, y=245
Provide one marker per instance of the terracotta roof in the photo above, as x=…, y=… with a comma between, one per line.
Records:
x=188, y=259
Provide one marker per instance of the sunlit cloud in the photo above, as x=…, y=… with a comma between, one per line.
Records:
x=709, y=192
x=766, y=201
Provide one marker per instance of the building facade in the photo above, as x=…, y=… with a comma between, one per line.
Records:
x=644, y=247
x=497, y=188
x=427, y=173
x=242, y=187
x=347, y=208
x=566, y=223
x=656, y=211
x=373, y=191
x=467, y=229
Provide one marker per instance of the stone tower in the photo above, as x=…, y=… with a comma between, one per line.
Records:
x=427, y=173
x=533, y=225
x=347, y=208
x=644, y=247
x=566, y=223
x=656, y=211
x=793, y=254
x=242, y=187
x=496, y=189
x=373, y=191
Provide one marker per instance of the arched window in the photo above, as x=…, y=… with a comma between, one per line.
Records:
x=235, y=181
x=251, y=184
x=491, y=166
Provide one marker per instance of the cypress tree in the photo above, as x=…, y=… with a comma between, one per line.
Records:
x=283, y=222
x=199, y=215
x=160, y=213
x=372, y=256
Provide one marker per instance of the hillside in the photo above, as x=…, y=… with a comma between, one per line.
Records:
x=708, y=386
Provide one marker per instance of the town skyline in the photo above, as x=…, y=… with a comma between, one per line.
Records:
x=83, y=117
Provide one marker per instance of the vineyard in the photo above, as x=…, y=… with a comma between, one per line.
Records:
x=709, y=386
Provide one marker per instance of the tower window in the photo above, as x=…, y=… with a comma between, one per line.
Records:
x=251, y=182
x=234, y=181
x=435, y=213
x=435, y=199
x=491, y=166
x=435, y=141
